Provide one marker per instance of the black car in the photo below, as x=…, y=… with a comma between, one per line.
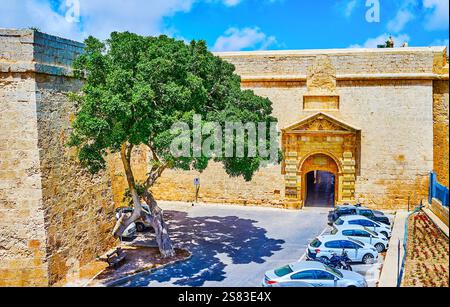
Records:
x=340, y=211
x=376, y=216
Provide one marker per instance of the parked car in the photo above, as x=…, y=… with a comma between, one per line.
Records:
x=130, y=232
x=363, y=234
x=340, y=211
x=141, y=224
x=360, y=220
x=312, y=274
x=347, y=210
x=376, y=216
x=357, y=251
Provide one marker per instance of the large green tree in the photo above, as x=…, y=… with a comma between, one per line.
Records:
x=136, y=88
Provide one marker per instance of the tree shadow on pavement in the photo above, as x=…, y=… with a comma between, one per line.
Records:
x=208, y=238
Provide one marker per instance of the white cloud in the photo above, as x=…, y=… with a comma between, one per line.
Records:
x=434, y=12
x=29, y=13
x=405, y=14
x=235, y=39
x=381, y=40
x=437, y=19
x=402, y=18
x=99, y=17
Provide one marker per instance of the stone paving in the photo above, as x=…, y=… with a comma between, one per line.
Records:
x=234, y=246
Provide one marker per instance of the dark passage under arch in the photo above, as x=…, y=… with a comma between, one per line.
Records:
x=320, y=189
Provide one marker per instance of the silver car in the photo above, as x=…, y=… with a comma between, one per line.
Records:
x=360, y=220
x=312, y=274
x=363, y=234
x=326, y=246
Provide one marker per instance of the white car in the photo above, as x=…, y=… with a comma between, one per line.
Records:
x=312, y=274
x=326, y=246
x=130, y=232
x=141, y=224
x=363, y=234
x=359, y=220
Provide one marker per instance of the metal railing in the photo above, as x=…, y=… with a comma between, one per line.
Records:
x=438, y=191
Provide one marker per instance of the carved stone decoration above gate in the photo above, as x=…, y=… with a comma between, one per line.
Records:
x=320, y=122
x=315, y=139
x=321, y=77
x=321, y=84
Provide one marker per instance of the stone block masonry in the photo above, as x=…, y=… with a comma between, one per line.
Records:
x=54, y=216
x=441, y=137
x=376, y=118
x=398, y=99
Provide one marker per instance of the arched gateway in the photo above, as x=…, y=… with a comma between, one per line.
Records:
x=320, y=173
x=321, y=162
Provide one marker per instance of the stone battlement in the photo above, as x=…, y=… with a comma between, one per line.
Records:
x=350, y=64
x=32, y=51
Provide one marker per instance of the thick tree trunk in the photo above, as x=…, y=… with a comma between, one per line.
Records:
x=125, y=221
x=156, y=219
x=160, y=226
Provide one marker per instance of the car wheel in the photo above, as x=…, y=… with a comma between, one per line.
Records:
x=384, y=233
x=368, y=259
x=140, y=227
x=380, y=247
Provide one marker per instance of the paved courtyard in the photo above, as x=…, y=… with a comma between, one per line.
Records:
x=233, y=246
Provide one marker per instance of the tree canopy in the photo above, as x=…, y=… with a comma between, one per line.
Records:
x=136, y=88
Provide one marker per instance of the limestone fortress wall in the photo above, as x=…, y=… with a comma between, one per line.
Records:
x=54, y=216
x=395, y=99
x=377, y=119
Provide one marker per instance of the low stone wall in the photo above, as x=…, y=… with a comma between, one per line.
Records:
x=440, y=211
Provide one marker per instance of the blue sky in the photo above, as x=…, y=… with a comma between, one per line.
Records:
x=230, y=25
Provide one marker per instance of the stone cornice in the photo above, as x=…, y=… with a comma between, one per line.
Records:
x=347, y=77
x=344, y=51
x=34, y=67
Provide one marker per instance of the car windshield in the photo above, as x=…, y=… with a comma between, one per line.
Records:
x=334, y=231
x=339, y=222
x=124, y=210
x=283, y=271
x=316, y=243
x=333, y=271
x=366, y=212
x=356, y=241
x=371, y=232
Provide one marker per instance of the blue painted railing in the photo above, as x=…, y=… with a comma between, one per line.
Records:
x=438, y=191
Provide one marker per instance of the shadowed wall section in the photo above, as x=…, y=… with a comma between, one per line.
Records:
x=54, y=216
